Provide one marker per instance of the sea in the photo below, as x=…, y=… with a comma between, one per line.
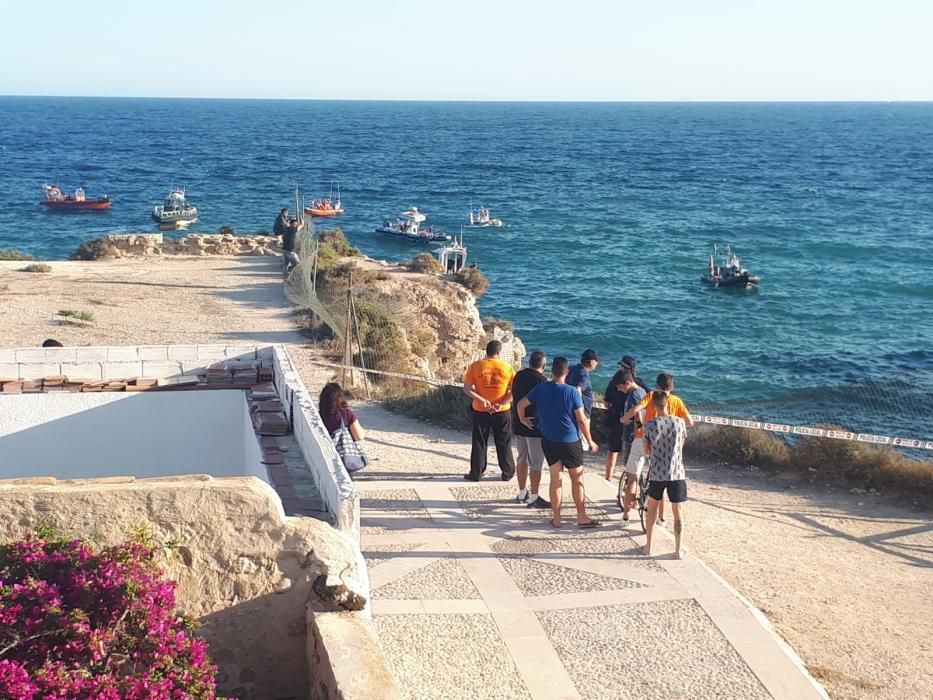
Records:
x=611, y=210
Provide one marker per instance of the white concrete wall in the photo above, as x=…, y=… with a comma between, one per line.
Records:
x=86, y=435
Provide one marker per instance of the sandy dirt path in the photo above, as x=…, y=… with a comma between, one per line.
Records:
x=846, y=578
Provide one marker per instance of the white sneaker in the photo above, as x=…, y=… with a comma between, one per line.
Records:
x=522, y=496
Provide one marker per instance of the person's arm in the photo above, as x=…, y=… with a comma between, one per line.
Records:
x=522, y=418
x=469, y=388
x=627, y=418
x=688, y=419
x=356, y=430
x=584, y=424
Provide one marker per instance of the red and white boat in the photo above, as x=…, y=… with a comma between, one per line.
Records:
x=327, y=207
x=57, y=200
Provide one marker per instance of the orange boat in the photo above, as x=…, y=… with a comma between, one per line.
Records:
x=57, y=200
x=327, y=207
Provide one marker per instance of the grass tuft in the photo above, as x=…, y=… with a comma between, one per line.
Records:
x=77, y=315
x=37, y=267
x=10, y=254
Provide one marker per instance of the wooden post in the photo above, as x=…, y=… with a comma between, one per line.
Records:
x=348, y=335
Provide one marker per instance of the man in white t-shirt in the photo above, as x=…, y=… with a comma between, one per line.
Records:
x=664, y=442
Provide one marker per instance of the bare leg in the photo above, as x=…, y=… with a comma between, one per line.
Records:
x=579, y=495
x=661, y=509
x=521, y=470
x=535, y=480
x=629, y=500
x=649, y=524
x=611, y=458
x=555, y=493
x=679, y=551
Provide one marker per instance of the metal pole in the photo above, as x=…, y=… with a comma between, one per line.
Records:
x=348, y=344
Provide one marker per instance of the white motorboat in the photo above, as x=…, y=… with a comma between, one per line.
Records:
x=176, y=210
x=480, y=217
x=408, y=228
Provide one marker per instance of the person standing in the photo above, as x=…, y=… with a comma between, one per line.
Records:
x=665, y=436
x=562, y=420
x=489, y=383
x=633, y=452
x=615, y=405
x=527, y=440
x=289, y=232
x=579, y=377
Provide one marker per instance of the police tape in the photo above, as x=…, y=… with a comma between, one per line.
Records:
x=782, y=428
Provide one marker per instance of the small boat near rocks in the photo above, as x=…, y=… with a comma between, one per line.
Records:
x=452, y=256
x=725, y=270
x=56, y=200
x=176, y=211
x=408, y=228
x=327, y=207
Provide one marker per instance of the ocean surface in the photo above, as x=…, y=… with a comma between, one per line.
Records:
x=611, y=210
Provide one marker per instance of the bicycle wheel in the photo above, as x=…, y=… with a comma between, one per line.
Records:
x=643, y=501
x=620, y=494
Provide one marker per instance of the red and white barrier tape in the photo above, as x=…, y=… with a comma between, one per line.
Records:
x=712, y=420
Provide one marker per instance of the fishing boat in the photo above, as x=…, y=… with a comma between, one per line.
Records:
x=408, y=228
x=452, y=256
x=480, y=217
x=326, y=207
x=56, y=200
x=725, y=270
x=176, y=211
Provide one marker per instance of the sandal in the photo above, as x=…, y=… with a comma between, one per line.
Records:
x=589, y=525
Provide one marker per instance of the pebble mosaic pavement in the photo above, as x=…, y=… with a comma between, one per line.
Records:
x=476, y=596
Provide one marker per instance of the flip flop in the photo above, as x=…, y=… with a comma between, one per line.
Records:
x=589, y=525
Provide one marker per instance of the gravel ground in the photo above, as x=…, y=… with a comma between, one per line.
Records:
x=467, y=658
x=644, y=660
x=375, y=554
x=538, y=578
x=443, y=579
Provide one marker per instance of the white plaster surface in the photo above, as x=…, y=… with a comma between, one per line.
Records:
x=86, y=435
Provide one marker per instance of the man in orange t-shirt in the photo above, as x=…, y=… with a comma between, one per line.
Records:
x=489, y=383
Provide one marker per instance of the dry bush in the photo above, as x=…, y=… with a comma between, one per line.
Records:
x=472, y=279
x=37, y=267
x=334, y=239
x=424, y=263
x=445, y=405
x=77, y=315
x=490, y=322
x=10, y=254
x=95, y=249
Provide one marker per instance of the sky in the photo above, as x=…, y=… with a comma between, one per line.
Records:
x=478, y=50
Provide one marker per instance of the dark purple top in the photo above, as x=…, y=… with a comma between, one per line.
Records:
x=332, y=423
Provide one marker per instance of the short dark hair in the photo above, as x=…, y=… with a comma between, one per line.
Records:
x=623, y=376
x=284, y=209
x=560, y=366
x=589, y=354
x=493, y=348
x=659, y=398
x=628, y=361
x=665, y=381
x=51, y=343
x=537, y=359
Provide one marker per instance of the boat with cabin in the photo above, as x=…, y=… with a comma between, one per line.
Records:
x=725, y=270
x=452, y=256
x=481, y=218
x=408, y=228
x=176, y=211
x=56, y=200
x=326, y=207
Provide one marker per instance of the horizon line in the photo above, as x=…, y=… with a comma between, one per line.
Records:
x=485, y=101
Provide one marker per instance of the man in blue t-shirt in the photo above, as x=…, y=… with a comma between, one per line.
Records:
x=561, y=419
x=579, y=376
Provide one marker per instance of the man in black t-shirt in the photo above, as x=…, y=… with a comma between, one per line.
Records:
x=527, y=441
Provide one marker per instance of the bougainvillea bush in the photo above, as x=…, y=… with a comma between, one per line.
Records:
x=78, y=622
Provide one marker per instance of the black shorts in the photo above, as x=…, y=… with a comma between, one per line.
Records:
x=570, y=454
x=615, y=436
x=676, y=490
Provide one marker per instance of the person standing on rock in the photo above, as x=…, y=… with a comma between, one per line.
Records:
x=489, y=383
x=528, y=440
x=562, y=420
x=665, y=436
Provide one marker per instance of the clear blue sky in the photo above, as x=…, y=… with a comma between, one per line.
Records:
x=478, y=50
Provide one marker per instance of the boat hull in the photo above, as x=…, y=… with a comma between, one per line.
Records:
x=738, y=281
x=323, y=213
x=86, y=205
x=414, y=238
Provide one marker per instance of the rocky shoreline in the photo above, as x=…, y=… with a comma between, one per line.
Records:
x=152, y=244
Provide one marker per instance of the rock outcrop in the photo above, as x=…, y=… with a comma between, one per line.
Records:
x=145, y=244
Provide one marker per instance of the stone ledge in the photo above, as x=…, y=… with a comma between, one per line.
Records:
x=345, y=660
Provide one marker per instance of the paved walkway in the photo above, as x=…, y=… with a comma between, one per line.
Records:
x=476, y=596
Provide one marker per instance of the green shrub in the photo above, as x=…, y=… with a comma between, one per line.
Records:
x=382, y=340
x=77, y=315
x=444, y=405
x=37, y=267
x=424, y=263
x=95, y=249
x=472, y=279
x=10, y=254
x=738, y=446
x=335, y=240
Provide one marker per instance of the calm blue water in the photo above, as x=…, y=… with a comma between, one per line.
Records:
x=611, y=211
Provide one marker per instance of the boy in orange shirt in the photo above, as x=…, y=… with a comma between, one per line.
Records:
x=489, y=383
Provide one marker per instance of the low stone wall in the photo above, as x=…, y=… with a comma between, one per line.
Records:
x=345, y=659
x=246, y=571
x=143, y=244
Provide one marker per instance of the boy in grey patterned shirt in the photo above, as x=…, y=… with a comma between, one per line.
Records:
x=664, y=442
